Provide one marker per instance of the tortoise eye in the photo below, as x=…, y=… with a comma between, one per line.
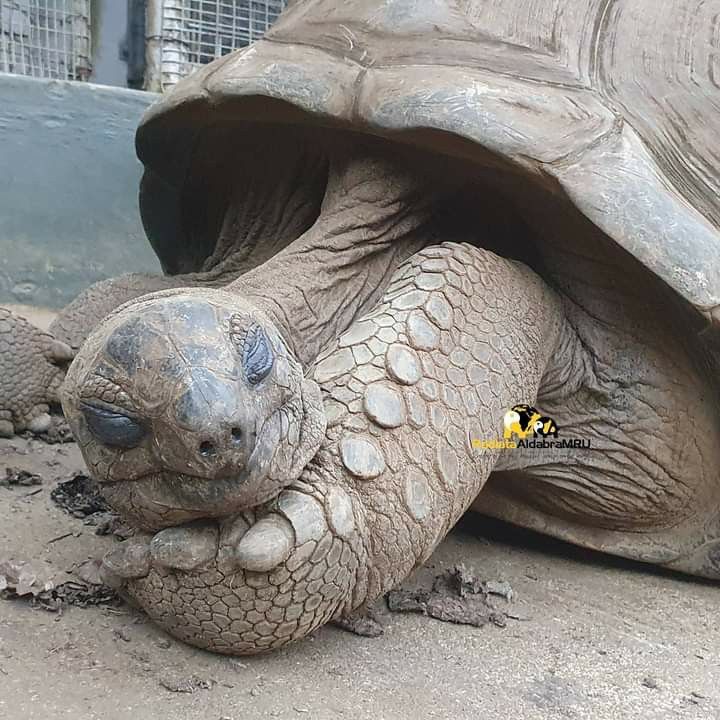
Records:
x=257, y=353
x=112, y=428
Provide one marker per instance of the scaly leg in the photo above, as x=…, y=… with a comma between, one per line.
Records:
x=32, y=366
x=460, y=336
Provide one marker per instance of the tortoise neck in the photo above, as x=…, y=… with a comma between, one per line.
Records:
x=375, y=214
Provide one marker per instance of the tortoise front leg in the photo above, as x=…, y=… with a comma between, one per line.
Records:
x=460, y=336
x=32, y=367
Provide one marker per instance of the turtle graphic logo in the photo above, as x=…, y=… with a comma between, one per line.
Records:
x=523, y=421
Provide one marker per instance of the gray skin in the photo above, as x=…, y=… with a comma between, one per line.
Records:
x=197, y=385
x=267, y=514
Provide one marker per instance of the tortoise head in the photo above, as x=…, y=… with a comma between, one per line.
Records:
x=188, y=404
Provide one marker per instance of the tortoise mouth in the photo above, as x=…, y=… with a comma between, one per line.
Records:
x=162, y=499
x=158, y=495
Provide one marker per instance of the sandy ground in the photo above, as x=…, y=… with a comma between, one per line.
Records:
x=596, y=638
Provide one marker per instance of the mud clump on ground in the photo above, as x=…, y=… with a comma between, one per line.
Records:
x=20, y=579
x=22, y=478
x=78, y=595
x=457, y=596
x=190, y=684
x=364, y=624
x=80, y=497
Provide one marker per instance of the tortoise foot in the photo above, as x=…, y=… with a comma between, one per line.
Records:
x=32, y=368
x=251, y=582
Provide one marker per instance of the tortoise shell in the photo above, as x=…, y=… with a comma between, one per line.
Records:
x=610, y=106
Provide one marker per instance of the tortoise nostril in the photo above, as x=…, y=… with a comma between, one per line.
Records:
x=207, y=449
x=236, y=434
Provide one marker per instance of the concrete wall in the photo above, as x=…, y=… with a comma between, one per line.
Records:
x=68, y=188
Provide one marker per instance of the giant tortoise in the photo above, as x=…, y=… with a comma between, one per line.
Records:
x=385, y=225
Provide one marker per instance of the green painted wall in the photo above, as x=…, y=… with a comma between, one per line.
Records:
x=68, y=188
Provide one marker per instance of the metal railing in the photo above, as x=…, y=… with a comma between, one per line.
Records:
x=45, y=38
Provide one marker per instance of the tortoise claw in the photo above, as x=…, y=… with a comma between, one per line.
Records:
x=127, y=561
x=266, y=545
x=40, y=423
x=60, y=352
x=7, y=429
x=186, y=547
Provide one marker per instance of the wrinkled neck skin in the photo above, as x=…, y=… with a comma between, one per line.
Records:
x=376, y=213
x=265, y=214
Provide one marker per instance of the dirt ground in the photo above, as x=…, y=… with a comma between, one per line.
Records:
x=593, y=638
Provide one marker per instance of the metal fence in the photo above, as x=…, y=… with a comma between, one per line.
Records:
x=184, y=34
x=45, y=38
